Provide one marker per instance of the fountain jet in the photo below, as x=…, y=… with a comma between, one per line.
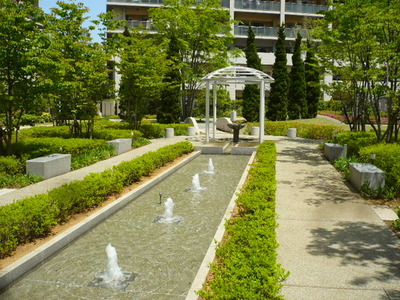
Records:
x=211, y=169
x=168, y=216
x=196, y=187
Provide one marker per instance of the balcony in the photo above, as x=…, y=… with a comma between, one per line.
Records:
x=146, y=25
x=257, y=5
x=269, y=31
x=224, y=3
x=305, y=8
x=159, y=2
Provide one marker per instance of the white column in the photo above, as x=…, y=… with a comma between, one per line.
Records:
x=207, y=110
x=214, y=109
x=282, y=15
x=262, y=110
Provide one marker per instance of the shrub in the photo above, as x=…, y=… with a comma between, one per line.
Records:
x=34, y=217
x=246, y=266
x=11, y=165
x=309, y=131
x=388, y=160
x=112, y=134
x=45, y=131
x=342, y=164
x=155, y=130
x=356, y=140
x=37, y=147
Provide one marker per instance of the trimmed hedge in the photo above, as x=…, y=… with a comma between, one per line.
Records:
x=33, y=217
x=246, y=266
x=45, y=131
x=37, y=147
x=356, y=140
x=156, y=130
x=113, y=134
x=11, y=165
x=308, y=131
x=388, y=160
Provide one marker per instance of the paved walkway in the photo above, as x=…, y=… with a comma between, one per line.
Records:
x=333, y=243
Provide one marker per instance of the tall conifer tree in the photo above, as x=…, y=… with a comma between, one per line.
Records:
x=251, y=93
x=169, y=110
x=297, y=104
x=277, y=103
x=313, y=86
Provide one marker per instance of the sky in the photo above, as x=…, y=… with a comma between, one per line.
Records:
x=96, y=7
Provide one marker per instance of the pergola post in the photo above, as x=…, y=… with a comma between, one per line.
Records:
x=207, y=110
x=214, y=110
x=262, y=110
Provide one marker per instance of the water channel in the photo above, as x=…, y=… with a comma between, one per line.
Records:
x=164, y=258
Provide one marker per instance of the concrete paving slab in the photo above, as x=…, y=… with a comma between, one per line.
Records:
x=384, y=212
x=307, y=293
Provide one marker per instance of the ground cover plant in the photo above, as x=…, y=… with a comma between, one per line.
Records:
x=34, y=217
x=246, y=266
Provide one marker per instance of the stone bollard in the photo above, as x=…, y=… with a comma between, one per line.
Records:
x=191, y=131
x=255, y=130
x=292, y=132
x=169, y=132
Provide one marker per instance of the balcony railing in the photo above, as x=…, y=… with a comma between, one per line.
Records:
x=224, y=3
x=269, y=31
x=305, y=8
x=140, y=1
x=257, y=5
x=147, y=25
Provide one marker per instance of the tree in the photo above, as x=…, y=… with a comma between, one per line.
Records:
x=297, y=105
x=76, y=69
x=360, y=45
x=203, y=33
x=169, y=108
x=21, y=42
x=313, y=86
x=142, y=69
x=251, y=93
x=277, y=104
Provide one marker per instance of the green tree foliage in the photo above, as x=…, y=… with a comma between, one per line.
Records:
x=251, y=93
x=277, y=104
x=297, y=105
x=169, y=108
x=21, y=42
x=75, y=68
x=203, y=33
x=360, y=44
x=142, y=69
x=313, y=86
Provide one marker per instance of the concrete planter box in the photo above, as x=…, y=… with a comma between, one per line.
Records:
x=49, y=166
x=121, y=145
x=334, y=151
x=363, y=173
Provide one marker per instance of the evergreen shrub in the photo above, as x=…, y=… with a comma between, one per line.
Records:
x=156, y=130
x=246, y=261
x=309, y=131
x=11, y=165
x=356, y=140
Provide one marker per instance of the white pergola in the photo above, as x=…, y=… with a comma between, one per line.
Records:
x=234, y=75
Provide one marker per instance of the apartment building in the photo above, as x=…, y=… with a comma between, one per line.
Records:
x=264, y=16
